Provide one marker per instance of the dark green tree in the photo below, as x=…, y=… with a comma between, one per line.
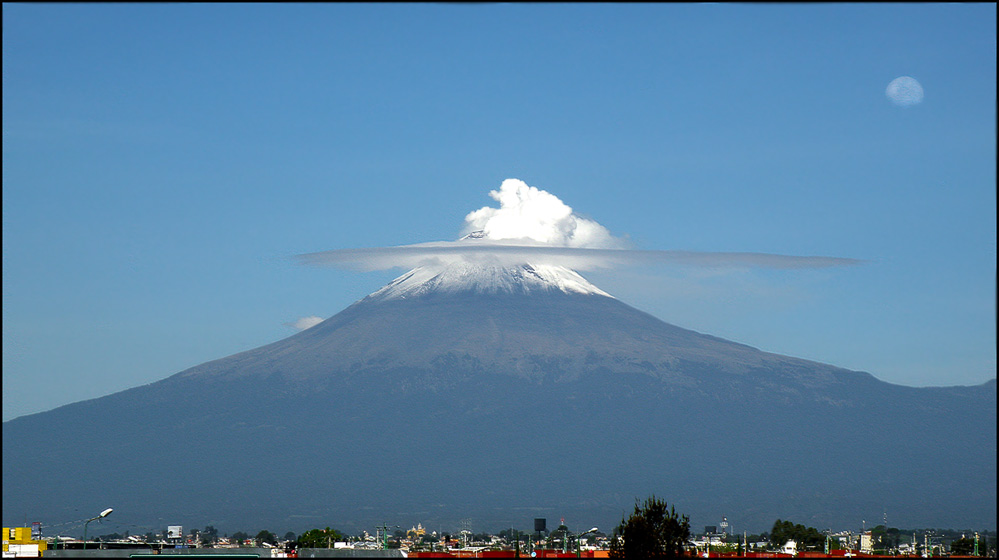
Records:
x=885, y=539
x=266, y=537
x=962, y=547
x=210, y=535
x=654, y=530
x=108, y=538
x=238, y=537
x=319, y=538
x=805, y=537
x=558, y=537
x=510, y=534
x=289, y=536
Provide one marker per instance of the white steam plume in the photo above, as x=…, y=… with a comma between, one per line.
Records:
x=534, y=226
x=530, y=214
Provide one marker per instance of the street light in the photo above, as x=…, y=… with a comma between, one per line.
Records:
x=579, y=536
x=384, y=527
x=103, y=514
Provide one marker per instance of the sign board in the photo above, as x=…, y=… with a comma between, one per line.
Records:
x=175, y=532
x=24, y=550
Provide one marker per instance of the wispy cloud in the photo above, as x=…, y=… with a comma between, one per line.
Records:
x=305, y=323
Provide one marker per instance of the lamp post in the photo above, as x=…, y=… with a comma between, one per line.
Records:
x=384, y=527
x=579, y=536
x=103, y=514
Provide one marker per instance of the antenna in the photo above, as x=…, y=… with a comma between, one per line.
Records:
x=886, y=528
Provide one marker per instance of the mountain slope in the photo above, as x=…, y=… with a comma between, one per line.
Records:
x=485, y=395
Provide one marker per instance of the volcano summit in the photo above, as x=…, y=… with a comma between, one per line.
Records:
x=502, y=392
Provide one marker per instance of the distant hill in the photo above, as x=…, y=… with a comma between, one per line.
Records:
x=502, y=395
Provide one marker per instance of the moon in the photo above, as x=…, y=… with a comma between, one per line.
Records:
x=905, y=91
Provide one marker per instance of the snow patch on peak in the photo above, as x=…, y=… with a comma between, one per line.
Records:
x=461, y=277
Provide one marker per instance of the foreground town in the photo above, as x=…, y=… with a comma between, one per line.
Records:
x=562, y=542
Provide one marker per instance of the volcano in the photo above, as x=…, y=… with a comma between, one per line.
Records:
x=500, y=394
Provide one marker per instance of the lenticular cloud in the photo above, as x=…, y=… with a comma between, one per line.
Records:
x=532, y=226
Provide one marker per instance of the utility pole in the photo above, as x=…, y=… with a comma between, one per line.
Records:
x=384, y=528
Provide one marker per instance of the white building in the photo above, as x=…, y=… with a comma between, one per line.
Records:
x=866, y=543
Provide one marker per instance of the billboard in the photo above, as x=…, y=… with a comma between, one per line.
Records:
x=175, y=532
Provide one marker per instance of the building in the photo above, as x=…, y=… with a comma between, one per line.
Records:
x=866, y=542
x=23, y=542
x=416, y=532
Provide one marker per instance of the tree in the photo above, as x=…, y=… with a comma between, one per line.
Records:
x=266, y=537
x=654, y=530
x=238, y=537
x=806, y=537
x=962, y=547
x=289, y=536
x=559, y=537
x=210, y=534
x=319, y=538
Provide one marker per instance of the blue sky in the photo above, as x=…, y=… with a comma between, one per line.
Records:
x=163, y=162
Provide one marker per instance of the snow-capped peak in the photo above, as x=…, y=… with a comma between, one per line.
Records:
x=462, y=277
